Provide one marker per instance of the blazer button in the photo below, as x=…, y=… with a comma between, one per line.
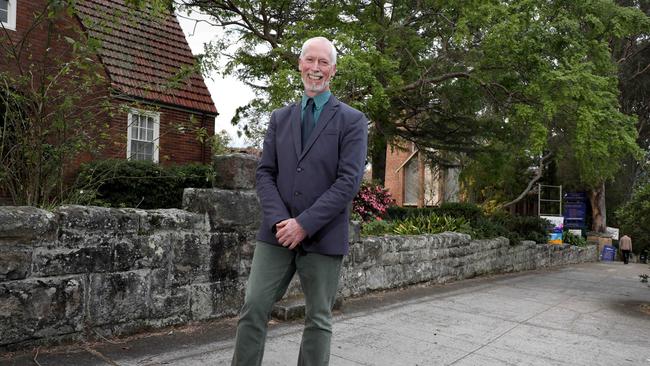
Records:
x=299, y=170
x=296, y=193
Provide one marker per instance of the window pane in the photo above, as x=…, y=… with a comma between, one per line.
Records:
x=149, y=135
x=150, y=123
x=411, y=182
x=148, y=149
x=4, y=5
x=4, y=16
x=134, y=150
x=141, y=150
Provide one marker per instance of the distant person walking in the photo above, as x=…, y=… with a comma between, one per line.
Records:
x=625, y=243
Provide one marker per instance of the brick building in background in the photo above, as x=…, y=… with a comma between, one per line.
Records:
x=154, y=117
x=414, y=182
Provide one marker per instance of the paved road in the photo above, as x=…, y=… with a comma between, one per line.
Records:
x=591, y=314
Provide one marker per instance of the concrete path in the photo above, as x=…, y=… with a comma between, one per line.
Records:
x=591, y=314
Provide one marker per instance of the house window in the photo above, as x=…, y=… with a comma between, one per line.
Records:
x=8, y=14
x=143, y=136
x=411, y=182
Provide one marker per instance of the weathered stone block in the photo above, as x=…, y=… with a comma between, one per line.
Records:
x=169, y=219
x=90, y=218
x=191, y=258
x=173, y=303
x=151, y=251
x=118, y=297
x=69, y=261
x=226, y=253
x=213, y=300
x=226, y=210
x=355, y=232
x=24, y=224
x=234, y=171
x=14, y=263
x=40, y=308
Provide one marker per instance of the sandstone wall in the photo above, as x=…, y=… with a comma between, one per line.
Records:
x=78, y=272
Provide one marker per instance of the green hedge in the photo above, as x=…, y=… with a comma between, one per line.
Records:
x=467, y=211
x=123, y=183
x=462, y=217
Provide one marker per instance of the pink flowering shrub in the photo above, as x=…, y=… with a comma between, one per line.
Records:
x=371, y=202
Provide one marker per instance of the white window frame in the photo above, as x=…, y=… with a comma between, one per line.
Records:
x=10, y=24
x=156, y=132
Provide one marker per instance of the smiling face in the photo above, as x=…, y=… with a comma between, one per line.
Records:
x=316, y=67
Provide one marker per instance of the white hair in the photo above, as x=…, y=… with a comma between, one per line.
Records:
x=319, y=39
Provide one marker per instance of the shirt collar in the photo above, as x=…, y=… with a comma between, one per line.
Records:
x=319, y=100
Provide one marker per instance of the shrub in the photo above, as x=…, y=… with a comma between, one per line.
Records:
x=416, y=225
x=572, y=239
x=123, y=183
x=485, y=228
x=432, y=224
x=469, y=211
x=634, y=217
x=525, y=227
x=371, y=202
x=377, y=227
x=400, y=213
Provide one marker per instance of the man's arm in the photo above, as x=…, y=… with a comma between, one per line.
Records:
x=273, y=208
x=352, y=158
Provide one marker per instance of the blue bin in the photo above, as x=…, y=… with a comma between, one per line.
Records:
x=608, y=253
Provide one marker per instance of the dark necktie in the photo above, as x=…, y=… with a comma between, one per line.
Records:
x=308, y=121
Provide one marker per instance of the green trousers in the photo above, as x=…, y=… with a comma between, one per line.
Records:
x=272, y=270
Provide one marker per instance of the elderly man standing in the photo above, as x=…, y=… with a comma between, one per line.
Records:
x=311, y=167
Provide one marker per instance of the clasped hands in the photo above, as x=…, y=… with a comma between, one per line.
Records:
x=289, y=233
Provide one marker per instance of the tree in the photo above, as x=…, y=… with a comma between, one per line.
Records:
x=634, y=218
x=632, y=54
x=519, y=78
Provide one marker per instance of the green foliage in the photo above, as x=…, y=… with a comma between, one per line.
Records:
x=460, y=217
x=572, y=239
x=524, y=227
x=432, y=224
x=468, y=211
x=484, y=228
x=513, y=77
x=377, y=227
x=634, y=218
x=219, y=143
x=141, y=184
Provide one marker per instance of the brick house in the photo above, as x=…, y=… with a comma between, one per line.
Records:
x=413, y=182
x=139, y=55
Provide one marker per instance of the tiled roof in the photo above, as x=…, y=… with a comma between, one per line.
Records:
x=142, y=54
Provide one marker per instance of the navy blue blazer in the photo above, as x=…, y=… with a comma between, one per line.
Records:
x=316, y=184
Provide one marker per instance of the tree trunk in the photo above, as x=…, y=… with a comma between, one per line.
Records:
x=377, y=155
x=598, y=213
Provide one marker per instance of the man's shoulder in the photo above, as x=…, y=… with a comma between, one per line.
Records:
x=286, y=110
x=350, y=111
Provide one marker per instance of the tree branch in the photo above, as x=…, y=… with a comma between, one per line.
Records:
x=535, y=178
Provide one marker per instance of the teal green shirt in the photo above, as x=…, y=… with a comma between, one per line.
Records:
x=319, y=102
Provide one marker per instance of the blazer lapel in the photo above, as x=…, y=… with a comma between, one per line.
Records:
x=325, y=116
x=295, y=121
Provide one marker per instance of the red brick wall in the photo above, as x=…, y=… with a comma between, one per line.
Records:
x=176, y=147
x=37, y=41
x=394, y=180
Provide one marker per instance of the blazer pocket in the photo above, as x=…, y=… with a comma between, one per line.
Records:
x=330, y=132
